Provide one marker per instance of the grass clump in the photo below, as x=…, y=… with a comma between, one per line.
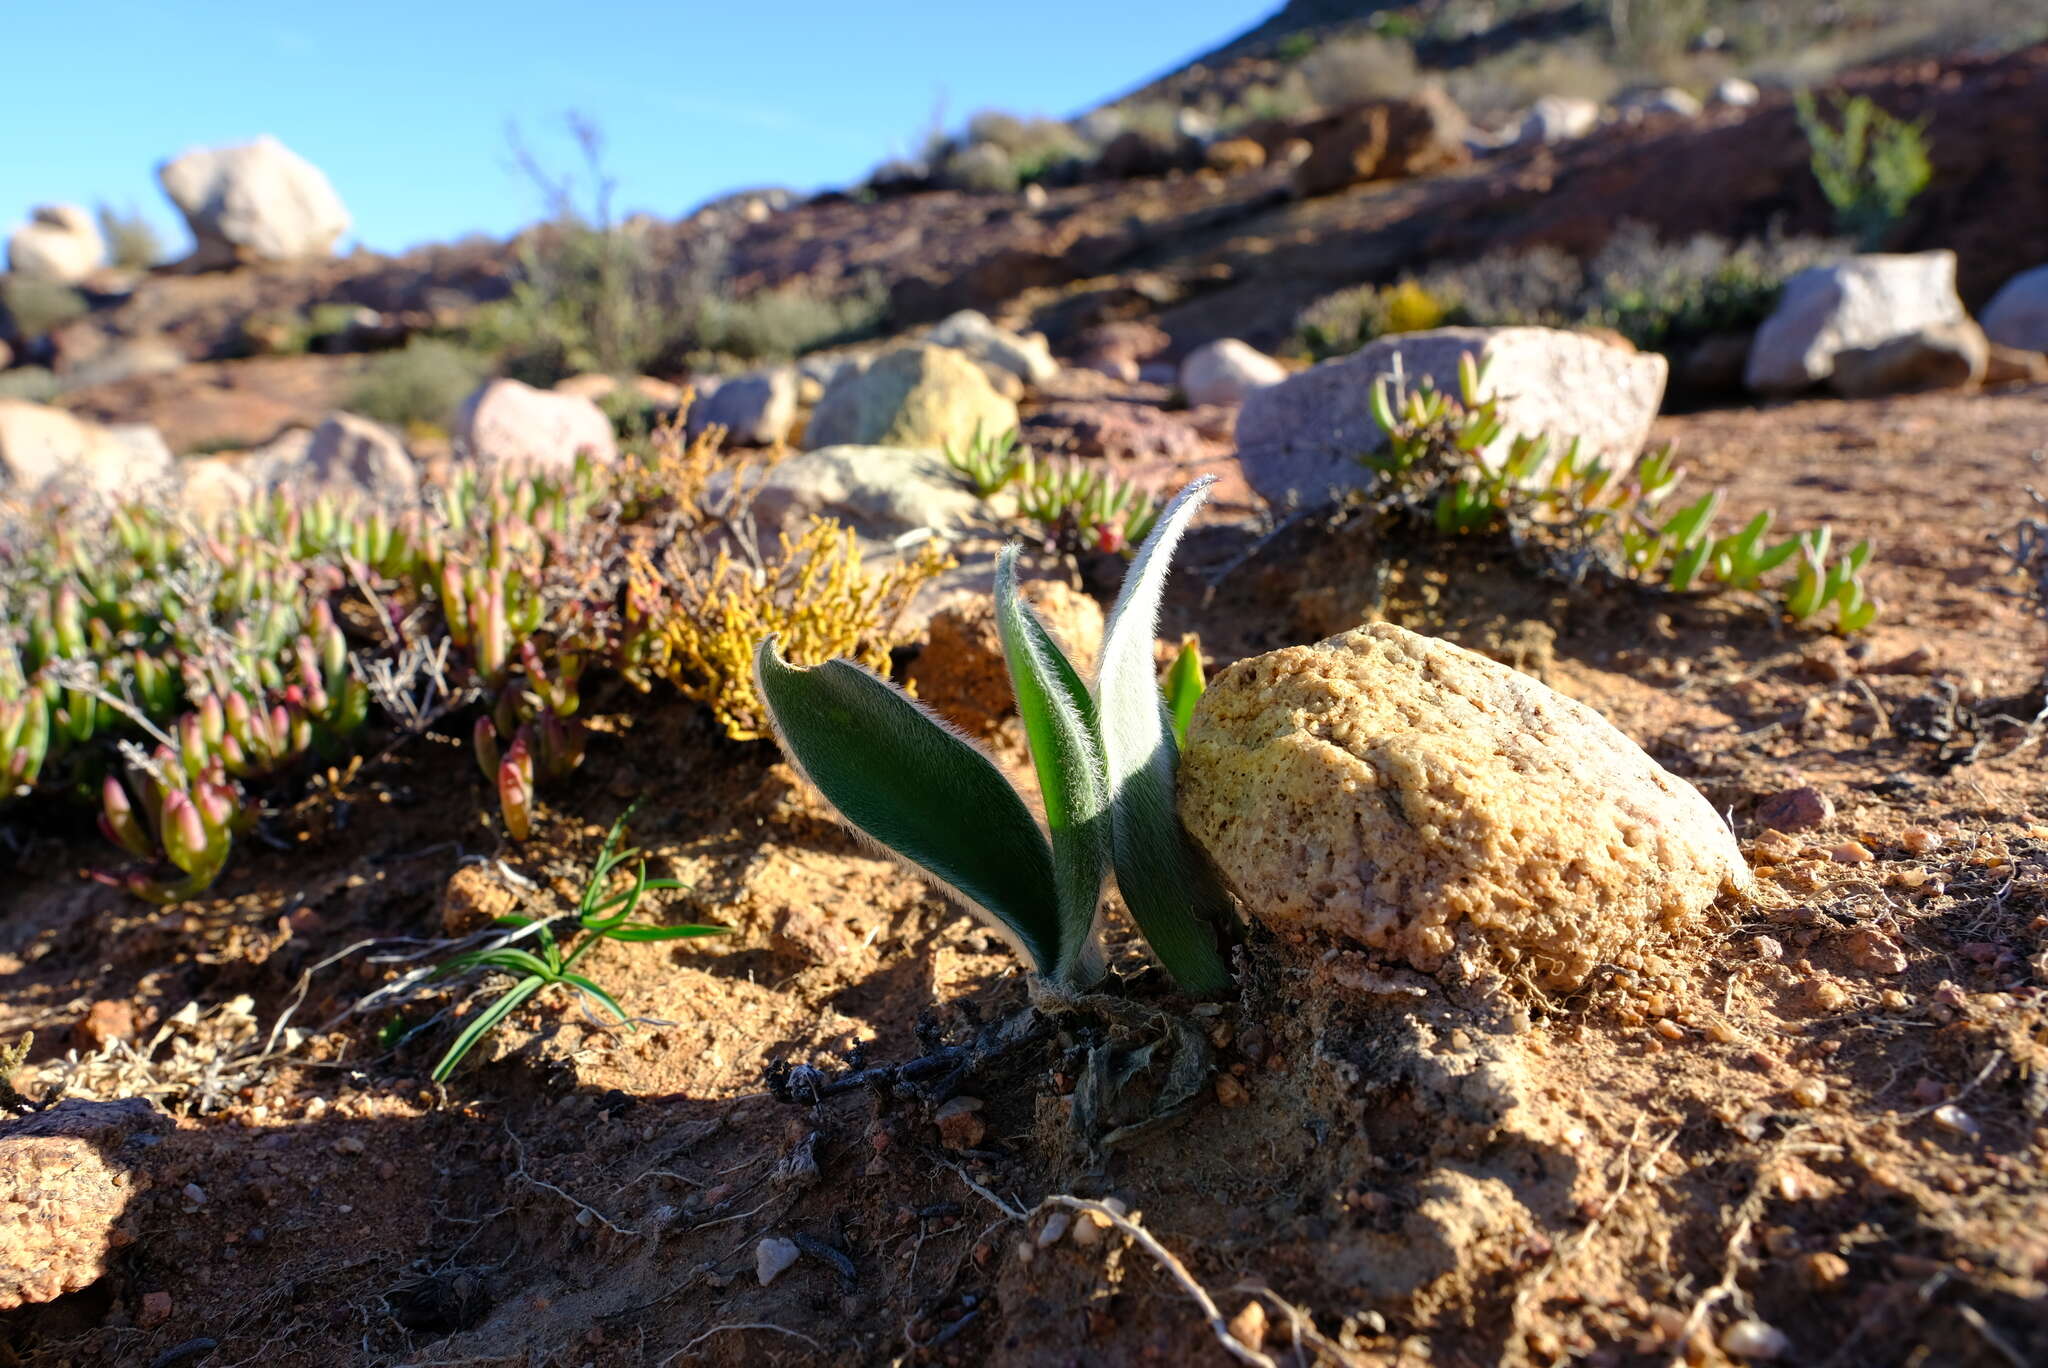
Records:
x=1870, y=164
x=1366, y=66
x=603, y=912
x=421, y=384
x=1105, y=758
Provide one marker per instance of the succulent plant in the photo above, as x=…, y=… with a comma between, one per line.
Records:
x=1105, y=760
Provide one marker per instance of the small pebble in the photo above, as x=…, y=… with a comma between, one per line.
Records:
x=1248, y=1326
x=1954, y=1119
x=1851, y=852
x=1055, y=1226
x=1754, y=1340
x=1809, y=1092
x=1230, y=1092
x=1670, y=1029
x=1920, y=840
x=1824, y=1269
x=772, y=1257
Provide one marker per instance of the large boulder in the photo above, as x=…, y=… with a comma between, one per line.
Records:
x=2017, y=315
x=1444, y=810
x=915, y=396
x=880, y=492
x=506, y=421
x=1304, y=436
x=59, y=242
x=1226, y=371
x=755, y=409
x=1024, y=356
x=1939, y=356
x=258, y=201
x=1861, y=302
x=40, y=445
x=1383, y=140
x=350, y=454
x=67, y=1179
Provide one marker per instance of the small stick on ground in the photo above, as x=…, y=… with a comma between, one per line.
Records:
x=737, y=1325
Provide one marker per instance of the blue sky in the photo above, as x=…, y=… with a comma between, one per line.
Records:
x=405, y=105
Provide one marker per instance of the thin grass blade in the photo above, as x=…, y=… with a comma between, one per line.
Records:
x=920, y=790
x=486, y=1019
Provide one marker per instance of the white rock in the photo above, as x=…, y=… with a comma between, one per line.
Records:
x=1558, y=118
x=880, y=492
x=1669, y=100
x=1225, y=371
x=1737, y=93
x=2017, y=315
x=59, y=242
x=755, y=409
x=1860, y=302
x=772, y=1258
x=1304, y=436
x=40, y=445
x=350, y=453
x=215, y=487
x=993, y=348
x=506, y=421
x=911, y=396
x=259, y=201
x=1753, y=1339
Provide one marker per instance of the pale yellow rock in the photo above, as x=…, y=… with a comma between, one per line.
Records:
x=1407, y=794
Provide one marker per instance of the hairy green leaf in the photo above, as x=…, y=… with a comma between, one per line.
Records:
x=1059, y=726
x=1172, y=893
x=919, y=789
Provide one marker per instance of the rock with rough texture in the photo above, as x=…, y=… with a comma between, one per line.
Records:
x=1939, y=356
x=1441, y=808
x=506, y=421
x=1383, y=140
x=1022, y=355
x=1303, y=437
x=259, y=201
x=916, y=396
x=1557, y=119
x=40, y=445
x=755, y=409
x=1226, y=370
x=59, y=242
x=880, y=492
x=1861, y=302
x=2017, y=315
x=67, y=1176
x=351, y=454
x=1114, y=430
x=961, y=671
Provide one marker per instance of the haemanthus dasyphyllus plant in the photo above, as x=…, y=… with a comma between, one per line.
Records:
x=1105, y=758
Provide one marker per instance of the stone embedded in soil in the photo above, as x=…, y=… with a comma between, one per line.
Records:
x=67, y=1176
x=472, y=899
x=808, y=938
x=105, y=1020
x=960, y=1128
x=772, y=1258
x=1425, y=801
x=1799, y=809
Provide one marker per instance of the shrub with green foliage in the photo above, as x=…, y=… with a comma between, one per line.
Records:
x=131, y=242
x=1451, y=468
x=1658, y=294
x=420, y=384
x=33, y=307
x=1870, y=164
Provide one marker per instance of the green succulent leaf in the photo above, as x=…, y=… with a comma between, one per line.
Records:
x=1059, y=726
x=1172, y=893
x=1184, y=688
x=919, y=789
